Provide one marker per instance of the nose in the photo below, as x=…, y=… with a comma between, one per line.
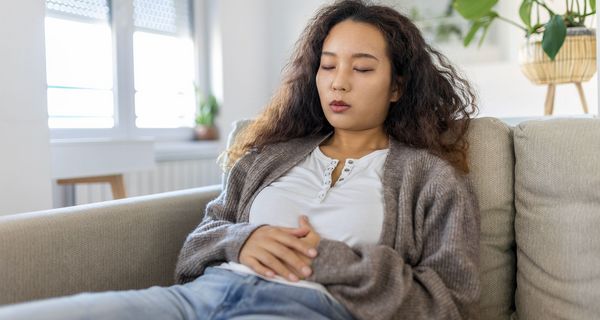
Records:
x=340, y=82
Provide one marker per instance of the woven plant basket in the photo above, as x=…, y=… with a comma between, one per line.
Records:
x=575, y=62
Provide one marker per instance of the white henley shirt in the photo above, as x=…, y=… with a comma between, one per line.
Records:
x=351, y=211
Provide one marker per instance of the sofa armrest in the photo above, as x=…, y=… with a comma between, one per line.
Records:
x=114, y=245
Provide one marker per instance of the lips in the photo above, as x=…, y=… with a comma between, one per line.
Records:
x=338, y=106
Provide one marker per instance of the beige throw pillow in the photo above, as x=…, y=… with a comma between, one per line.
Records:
x=557, y=185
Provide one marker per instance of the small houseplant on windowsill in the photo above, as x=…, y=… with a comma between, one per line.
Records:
x=206, y=111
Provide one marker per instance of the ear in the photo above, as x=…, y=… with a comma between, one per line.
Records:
x=396, y=90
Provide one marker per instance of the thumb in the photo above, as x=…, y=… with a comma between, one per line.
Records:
x=304, y=222
x=299, y=232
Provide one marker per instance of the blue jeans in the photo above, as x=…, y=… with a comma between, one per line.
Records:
x=218, y=294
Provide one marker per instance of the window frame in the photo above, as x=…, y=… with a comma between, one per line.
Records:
x=122, y=28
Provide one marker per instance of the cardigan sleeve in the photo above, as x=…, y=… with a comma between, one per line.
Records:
x=374, y=281
x=219, y=237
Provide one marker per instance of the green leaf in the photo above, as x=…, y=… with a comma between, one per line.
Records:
x=475, y=26
x=207, y=108
x=525, y=12
x=593, y=5
x=474, y=9
x=487, y=21
x=486, y=27
x=554, y=36
x=483, y=22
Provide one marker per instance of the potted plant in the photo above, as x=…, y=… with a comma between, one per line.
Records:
x=207, y=110
x=558, y=47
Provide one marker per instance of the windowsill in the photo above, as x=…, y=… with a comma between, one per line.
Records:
x=93, y=157
x=186, y=150
x=73, y=158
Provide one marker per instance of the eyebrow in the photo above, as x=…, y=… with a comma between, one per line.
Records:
x=356, y=55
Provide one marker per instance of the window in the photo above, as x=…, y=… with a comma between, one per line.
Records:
x=119, y=68
x=79, y=65
x=163, y=64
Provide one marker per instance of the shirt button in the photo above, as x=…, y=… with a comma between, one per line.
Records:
x=341, y=179
x=346, y=169
x=350, y=161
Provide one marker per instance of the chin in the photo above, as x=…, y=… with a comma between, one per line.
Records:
x=342, y=125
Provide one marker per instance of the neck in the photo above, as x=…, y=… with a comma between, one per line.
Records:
x=358, y=141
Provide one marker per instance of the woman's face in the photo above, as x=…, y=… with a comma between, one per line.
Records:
x=354, y=79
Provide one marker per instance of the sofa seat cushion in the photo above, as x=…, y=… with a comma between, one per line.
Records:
x=557, y=224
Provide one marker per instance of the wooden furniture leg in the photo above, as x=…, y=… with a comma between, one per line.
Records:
x=581, y=97
x=116, y=182
x=117, y=186
x=549, y=105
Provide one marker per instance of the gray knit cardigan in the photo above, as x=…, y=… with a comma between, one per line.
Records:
x=425, y=265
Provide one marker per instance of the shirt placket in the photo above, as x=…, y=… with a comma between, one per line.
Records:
x=326, y=185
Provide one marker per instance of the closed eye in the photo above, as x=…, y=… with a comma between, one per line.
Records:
x=356, y=69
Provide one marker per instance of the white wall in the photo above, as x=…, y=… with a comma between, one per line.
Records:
x=286, y=21
x=251, y=41
x=239, y=58
x=24, y=138
x=505, y=92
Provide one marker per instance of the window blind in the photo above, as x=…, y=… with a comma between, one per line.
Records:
x=171, y=17
x=79, y=9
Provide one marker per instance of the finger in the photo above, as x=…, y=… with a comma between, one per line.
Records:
x=313, y=236
x=290, y=258
x=303, y=275
x=306, y=260
x=304, y=223
x=312, y=240
x=270, y=261
x=258, y=267
x=295, y=243
x=297, y=232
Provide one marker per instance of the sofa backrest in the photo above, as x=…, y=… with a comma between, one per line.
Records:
x=557, y=223
x=540, y=222
x=491, y=162
x=237, y=127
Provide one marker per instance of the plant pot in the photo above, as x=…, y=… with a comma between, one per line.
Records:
x=574, y=63
x=206, y=132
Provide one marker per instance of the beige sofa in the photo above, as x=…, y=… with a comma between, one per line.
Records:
x=539, y=190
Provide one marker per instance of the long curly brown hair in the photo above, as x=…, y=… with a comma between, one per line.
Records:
x=433, y=112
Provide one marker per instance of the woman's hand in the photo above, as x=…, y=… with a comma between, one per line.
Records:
x=312, y=238
x=277, y=250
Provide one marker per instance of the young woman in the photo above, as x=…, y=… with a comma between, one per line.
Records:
x=347, y=197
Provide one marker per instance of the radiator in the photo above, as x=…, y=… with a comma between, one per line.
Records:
x=167, y=176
